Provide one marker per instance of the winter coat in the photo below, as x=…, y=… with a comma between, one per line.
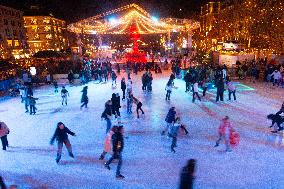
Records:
x=171, y=116
x=169, y=87
x=195, y=87
x=231, y=86
x=220, y=86
x=4, y=130
x=108, y=140
x=276, y=75
x=84, y=96
x=107, y=112
x=117, y=143
x=64, y=92
x=123, y=85
x=225, y=128
x=32, y=101
x=61, y=134
x=113, y=76
x=115, y=102
x=186, y=179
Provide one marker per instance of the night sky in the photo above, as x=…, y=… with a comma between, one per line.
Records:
x=74, y=10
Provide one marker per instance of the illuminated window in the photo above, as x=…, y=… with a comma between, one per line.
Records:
x=37, y=45
x=46, y=21
x=34, y=28
x=54, y=28
x=10, y=43
x=17, y=43
x=33, y=21
x=48, y=36
x=36, y=37
x=47, y=28
x=59, y=30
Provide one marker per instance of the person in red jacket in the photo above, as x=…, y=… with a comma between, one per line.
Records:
x=225, y=130
x=4, y=131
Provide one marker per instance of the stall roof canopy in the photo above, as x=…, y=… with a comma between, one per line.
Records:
x=118, y=21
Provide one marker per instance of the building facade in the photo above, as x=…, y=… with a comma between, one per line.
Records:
x=12, y=33
x=45, y=33
x=209, y=15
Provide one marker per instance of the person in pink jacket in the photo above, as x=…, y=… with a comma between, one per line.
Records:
x=225, y=130
x=108, y=142
x=4, y=131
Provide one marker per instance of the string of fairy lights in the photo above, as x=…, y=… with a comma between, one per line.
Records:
x=133, y=15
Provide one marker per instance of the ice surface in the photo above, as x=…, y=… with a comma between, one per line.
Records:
x=147, y=159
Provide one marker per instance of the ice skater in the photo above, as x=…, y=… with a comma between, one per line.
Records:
x=32, y=103
x=117, y=147
x=108, y=142
x=231, y=89
x=170, y=118
x=123, y=88
x=169, y=88
x=61, y=135
x=107, y=115
x=55, y=84
x=187, y=175
x=84, y=99
x=195, y=91
x=64, y=94
x=113, y=77
x=4, y=131
x=225, y=130
x=138, y=106
x=129, y=99
x=115, y=99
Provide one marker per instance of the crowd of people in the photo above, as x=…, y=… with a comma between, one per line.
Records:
x=196, y=78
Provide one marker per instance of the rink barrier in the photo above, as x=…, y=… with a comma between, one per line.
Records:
x=5, y=84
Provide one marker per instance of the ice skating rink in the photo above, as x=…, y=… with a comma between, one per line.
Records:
x=148, y=161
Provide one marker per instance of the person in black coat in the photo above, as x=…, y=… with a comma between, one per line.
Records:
x=187, y=175
x=84, y=99
x=61, y=136
x=170, y=119
x=187, y=81
x=2, y=184
x=107, y=113
x=220, y=89
x=115, y=99
x=117, y=147
x=123, y=88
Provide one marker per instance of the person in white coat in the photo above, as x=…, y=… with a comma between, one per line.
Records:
x=195, y=91
x=169, y=88
x=277, y=76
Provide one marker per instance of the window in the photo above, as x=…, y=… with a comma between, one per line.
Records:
x=5, y=22
x=10, y=43
x=16, y=43
x=48, y=36
x=36, y=37
x=33, y=21
x=34, y=28
x=12, y=22
x=46, y=21
x=37, y=45
x=47, y=28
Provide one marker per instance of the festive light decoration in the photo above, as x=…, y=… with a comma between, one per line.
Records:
x=131, y=15
x=257, y=24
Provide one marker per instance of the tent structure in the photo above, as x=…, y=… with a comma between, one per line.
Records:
x=118, y=21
